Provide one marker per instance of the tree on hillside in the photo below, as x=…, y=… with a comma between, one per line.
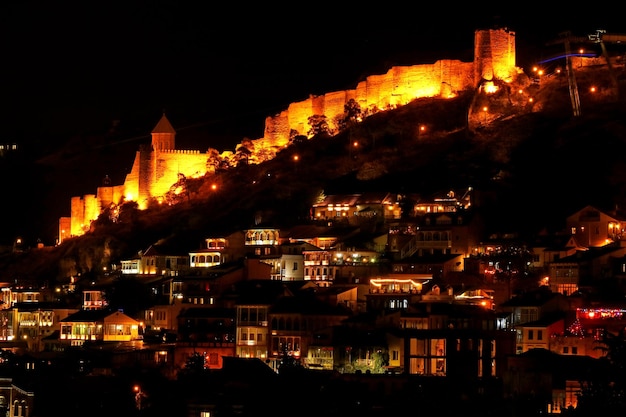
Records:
x=243, y=152
x=351, y=115
x=319, y=126
x=604, y=392
x=214, y=159
x=296, y=138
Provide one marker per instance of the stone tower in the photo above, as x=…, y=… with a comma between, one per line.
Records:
x=163, y=135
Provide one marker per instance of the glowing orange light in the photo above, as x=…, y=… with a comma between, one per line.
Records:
x=214, y=187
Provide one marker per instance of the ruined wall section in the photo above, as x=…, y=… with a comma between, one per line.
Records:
x=397, y=87
x=494, y=52
x=494, y=58
x=83, y=211
x=110, y=195
x=169, y=163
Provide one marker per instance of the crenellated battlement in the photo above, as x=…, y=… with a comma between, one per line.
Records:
x=180, y=151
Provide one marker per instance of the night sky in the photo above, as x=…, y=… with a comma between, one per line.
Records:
x=217, y=71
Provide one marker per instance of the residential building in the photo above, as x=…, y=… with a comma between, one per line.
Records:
x=209, y=331
x=593, y=227
x=98, y=325
x=539, y=334
x=294, y=320
x=354, y=209
x=218, y=250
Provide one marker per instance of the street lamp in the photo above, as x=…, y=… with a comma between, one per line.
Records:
x=485, y=113
x=139, y=397
x=581, y=57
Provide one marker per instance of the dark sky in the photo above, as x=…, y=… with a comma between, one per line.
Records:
x=75, y=66
x=72, y=68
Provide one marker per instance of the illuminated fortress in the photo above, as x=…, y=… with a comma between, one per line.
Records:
x=159, y=165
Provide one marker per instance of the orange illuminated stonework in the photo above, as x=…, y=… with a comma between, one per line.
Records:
x=158, y=167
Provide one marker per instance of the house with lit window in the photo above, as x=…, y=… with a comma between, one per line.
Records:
x=36, y=322
x=549, y=380
x=322, y=236
x=288, y=264
x=540, y=334
x=595, y=319
x=533, y=305
x=16, y=398
x=218, y=250
x=377, y=207
x=578, y=339
x=548, y=248
x=262, y=241
x=319, y=266
x=535, y=316
x=563, y=275
x=208, y=330
x=584, y=268
x=397, y=291
x=157, y=260
x=349, y=350
x=593, y=227
x=440, y=266
x=449, y=201
x=454, y=340
x=456, y=233
x=342, y=264
x=252, y=300
x=98, y=325
x=212, y=287
x=294, y=320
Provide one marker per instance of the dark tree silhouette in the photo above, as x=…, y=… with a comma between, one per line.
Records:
x=603, y=393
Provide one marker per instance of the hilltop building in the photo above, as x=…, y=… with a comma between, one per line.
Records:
x=159, y=166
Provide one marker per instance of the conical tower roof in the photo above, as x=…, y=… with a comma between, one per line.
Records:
x=164, y=126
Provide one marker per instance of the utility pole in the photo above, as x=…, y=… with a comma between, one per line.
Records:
x=571, y=77
x=598, y=38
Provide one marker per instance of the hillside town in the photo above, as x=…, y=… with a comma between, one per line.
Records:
x=376, y=303
x=428, y=299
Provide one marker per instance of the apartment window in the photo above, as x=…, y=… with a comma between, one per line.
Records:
x=295, y=266
x=395, y=355
x=565, y=350
x=531, y=335
x=539, y=334
x=574, y=350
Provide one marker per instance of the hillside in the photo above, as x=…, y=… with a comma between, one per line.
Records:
x=530, y=169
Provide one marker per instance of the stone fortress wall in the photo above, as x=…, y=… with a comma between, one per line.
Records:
x=157, y=167
x=494, y=58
